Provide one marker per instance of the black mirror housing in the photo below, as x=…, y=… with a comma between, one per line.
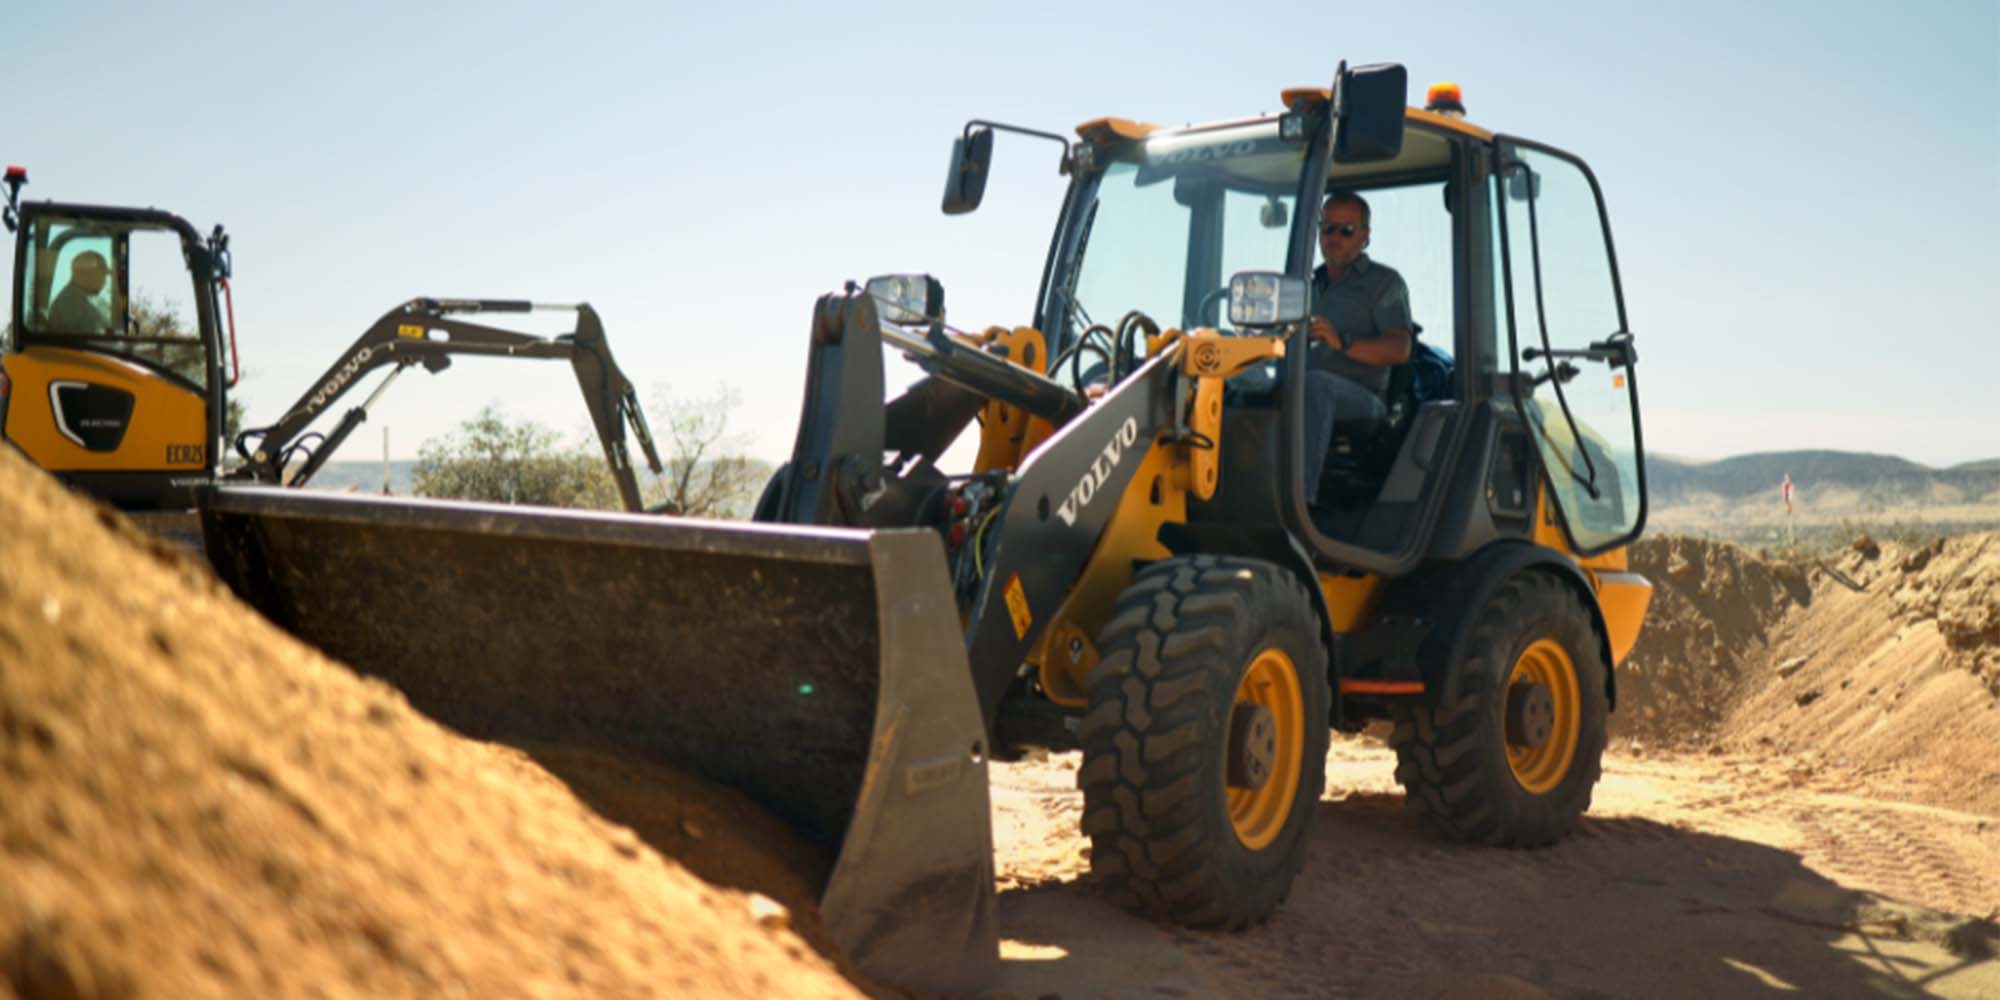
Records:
x=1523, y=184
x=1372, y=100
x=971, y=160
x=1273, y=215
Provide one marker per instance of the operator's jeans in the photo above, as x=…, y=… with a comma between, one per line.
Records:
x=1328, y=395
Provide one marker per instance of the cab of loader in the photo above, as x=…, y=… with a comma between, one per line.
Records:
x=1507, y=254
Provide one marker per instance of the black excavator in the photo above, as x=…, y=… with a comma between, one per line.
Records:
x=116, y=381
x=1141, y=565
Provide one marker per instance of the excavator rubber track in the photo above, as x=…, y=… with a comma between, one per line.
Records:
x=819, y=671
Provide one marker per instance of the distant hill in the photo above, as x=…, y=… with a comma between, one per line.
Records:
x=1738, y=497
x=1668, y=479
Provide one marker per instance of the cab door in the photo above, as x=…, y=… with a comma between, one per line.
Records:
x=1572, y=352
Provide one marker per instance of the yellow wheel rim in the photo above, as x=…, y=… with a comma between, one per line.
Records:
x=1540, y=769
x=1259, y=814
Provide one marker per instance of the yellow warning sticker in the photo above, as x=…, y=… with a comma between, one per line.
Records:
x=409, y=331
x=1017, y=607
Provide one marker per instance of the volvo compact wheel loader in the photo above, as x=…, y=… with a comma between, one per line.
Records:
x=112, y=376
x=1139, y=564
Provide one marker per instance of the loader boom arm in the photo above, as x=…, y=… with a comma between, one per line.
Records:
x=425, y=331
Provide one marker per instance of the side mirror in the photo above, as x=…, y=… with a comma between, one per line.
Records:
x=1371, y=102
x=907, y=299
x=1523, y=184
x=1265, y=298
x=965, y=183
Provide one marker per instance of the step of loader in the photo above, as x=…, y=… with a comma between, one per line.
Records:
x=819, y=671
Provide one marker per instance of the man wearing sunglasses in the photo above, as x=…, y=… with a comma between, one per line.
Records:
x=1360, y=327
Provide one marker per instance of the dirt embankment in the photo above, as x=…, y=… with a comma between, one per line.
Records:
x=1878, y=661
x=1706, y=638
x=1888, y=676
x=1954, y=584
x=194, y=804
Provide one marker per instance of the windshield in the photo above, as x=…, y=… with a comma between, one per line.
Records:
x=122, y=284
x=1169, y=220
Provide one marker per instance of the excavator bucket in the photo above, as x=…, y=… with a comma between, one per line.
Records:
x=819, y=671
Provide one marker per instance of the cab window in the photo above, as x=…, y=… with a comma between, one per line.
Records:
x=1410, y=231
x=125, y=288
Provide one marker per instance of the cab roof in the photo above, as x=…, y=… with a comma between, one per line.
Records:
x=1106, y=129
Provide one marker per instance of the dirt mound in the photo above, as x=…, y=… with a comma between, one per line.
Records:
x=194, y=804
x=1954, y=583
x=1707, y=632
x=1887, y=676
x=1880, y=663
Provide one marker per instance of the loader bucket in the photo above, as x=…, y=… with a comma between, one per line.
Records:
x=819, y=671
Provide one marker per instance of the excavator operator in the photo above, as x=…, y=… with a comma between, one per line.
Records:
x=72, y=310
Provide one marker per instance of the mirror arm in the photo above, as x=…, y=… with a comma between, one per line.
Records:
x=1615, y=350
x=1069, y=149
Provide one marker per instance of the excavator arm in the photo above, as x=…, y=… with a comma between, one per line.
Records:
x=426, y=331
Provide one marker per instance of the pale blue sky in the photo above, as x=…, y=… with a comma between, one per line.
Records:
x=1804, y=196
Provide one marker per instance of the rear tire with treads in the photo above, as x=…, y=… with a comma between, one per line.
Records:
x=1211, y=670
x=1467, y=767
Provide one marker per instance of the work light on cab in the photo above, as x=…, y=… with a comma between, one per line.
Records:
x=1265, y=298
x=907, y=299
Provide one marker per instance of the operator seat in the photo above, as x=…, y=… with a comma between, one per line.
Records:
x=1364, y=446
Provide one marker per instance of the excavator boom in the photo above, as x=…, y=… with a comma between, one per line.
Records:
x=427, y=331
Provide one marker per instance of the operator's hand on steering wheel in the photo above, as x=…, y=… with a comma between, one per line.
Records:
x=1323, y=331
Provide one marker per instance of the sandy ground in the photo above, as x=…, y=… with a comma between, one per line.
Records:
x=1694, y=875
x=193, y=804
x=1803, y=798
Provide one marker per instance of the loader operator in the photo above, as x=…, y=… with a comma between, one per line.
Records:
x=1360, y=327
x=72, y=311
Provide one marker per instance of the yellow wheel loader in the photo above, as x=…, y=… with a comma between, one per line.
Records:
x=112, y=375
x=1140, y=565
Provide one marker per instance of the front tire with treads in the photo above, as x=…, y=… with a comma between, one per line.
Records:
x=1500, y=762
x=1205, y=743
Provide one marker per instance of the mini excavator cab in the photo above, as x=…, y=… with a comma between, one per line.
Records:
x=114, y=364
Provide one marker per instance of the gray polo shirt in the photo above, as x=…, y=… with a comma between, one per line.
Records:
x=72, y=312
x=1368, y=299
